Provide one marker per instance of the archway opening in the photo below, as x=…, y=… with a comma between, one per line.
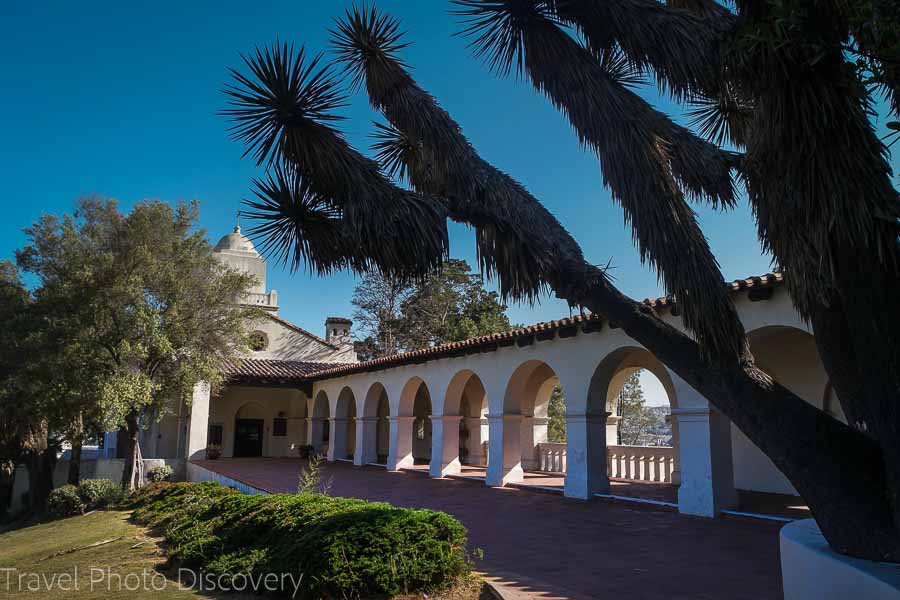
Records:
x=633, y=391
x=376, y=427
x=411, y=437
x=463, y=426
x=249, y=431
x=320, y=425
x=345, y=425
x=470, y=403
x=525, y=443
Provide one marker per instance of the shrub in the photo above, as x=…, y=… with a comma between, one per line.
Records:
x=65, y=502
x=99, y=493
x=343, y=547
x=160, y=473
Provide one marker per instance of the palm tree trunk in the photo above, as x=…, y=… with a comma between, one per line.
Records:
x=838, y=470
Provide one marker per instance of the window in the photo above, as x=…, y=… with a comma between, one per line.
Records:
x=258, y=341
x=279, y=427
x=215, y=435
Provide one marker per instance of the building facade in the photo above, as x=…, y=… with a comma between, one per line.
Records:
x=484, y=401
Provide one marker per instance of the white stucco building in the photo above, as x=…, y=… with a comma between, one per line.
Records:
x=484, y=401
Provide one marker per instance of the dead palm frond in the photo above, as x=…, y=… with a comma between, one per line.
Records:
x=502, y=28
x=424, y=144
x=642, y=154
x=681, y=46
x=283, y=112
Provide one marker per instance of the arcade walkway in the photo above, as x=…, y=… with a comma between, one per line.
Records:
x=558, y=547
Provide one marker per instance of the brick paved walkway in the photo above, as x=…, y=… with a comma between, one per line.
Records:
x=557, y=547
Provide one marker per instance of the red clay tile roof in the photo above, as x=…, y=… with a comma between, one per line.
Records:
x=259, y=369
x=488, y=343
x=755, y=282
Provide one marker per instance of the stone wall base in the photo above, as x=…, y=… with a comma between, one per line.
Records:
x=811, y=570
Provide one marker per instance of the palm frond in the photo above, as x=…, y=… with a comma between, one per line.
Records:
x=394, y=151
x=496, y=27
x=643, y=156
x=679, y=45
x=425, y=144
x=721, y=120
x=365, y=35
x=286, y=89
x=283, y=115
x=297, y=227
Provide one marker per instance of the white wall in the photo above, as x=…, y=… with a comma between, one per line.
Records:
x=266, y=403
x=286, y=343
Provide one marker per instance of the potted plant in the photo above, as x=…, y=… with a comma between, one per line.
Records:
x=306, y=451
x=213, y=451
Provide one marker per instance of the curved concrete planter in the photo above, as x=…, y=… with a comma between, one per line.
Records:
x=812, y=570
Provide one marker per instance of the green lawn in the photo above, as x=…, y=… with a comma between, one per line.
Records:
x=57, y=549
x=41, y=562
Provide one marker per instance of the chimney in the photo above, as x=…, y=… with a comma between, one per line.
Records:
x=337, y=331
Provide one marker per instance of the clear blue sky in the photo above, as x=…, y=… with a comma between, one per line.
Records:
x=120, y=99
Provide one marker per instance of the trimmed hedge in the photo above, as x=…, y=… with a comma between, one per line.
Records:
x=100, y=493
x=65, y=502
x=342, y=547
x=160, y=473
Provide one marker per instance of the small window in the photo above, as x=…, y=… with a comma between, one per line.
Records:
x=215, y=435
x=258, y=341
x=279, y=427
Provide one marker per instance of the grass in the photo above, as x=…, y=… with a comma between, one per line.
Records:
x=45, y=557
x=58, y=548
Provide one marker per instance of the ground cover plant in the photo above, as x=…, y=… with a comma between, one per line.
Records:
x=342, y=547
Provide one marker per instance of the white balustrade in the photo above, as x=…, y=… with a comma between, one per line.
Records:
x=641, y=463
x=552, y=457
x=257, y=299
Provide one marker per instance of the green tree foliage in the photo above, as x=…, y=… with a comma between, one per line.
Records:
x=556, y=412
x=637, y=420
x=448, y=306
x=150, y=307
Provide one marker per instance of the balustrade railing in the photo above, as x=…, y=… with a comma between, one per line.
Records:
x=633, y=463
x=552, y=457
x=641, y=463
x=257, y=299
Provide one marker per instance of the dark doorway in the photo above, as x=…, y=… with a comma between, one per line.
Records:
x=248, y=437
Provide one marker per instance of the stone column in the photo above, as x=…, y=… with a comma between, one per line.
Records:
x=337, y=441
x=366, y=440
x=505, y=454
x=534, y=431
x=400, y=453
x=586, y=456
x=316, y=433
x=478, y=434
x=707, y=472
x=676, y=469
x=198, y=424
x=612, y=429
x=444, y=446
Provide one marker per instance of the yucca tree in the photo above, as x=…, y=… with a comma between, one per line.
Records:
x=736, y=70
